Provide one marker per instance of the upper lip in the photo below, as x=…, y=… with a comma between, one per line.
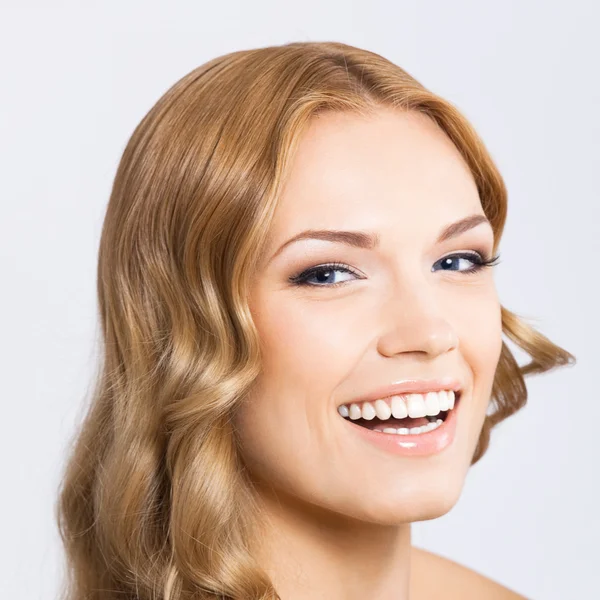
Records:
x=410, y=386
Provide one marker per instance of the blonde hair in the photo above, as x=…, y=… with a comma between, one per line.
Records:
x=154, y=501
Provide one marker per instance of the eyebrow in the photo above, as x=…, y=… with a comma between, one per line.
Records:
x=369, y=241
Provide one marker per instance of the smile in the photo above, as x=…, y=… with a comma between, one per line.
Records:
x=409, y=424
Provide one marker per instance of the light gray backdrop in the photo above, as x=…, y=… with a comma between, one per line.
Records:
x=76, y=80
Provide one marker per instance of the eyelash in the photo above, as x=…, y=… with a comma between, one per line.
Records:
x=300, y=279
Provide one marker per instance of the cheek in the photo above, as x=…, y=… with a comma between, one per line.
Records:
x=480, y=347
x=283, y=423
x=304, y=342
x=481, y=335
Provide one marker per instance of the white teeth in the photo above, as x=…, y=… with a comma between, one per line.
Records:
x=399, y=410
x=412, y=430
x=368, y=411
x=443, y=400
x=401, y=406
x=355, y=411
x=382, y=409
x=432, y=404
x=343, y=410
x=416, y=405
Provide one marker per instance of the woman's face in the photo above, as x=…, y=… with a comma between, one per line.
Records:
x=398, y=315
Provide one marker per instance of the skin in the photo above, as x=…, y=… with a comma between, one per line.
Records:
x=337, y=510
x=433, y=576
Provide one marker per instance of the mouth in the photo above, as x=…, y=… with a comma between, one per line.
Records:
x=405, y=414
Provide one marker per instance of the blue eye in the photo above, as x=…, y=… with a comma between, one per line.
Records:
x=324, y=273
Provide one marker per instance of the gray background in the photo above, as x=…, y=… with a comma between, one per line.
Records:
x=76, y=80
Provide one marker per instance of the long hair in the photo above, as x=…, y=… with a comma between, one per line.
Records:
x=154, y=501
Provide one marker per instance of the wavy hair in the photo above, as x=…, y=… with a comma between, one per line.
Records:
x=154, y=502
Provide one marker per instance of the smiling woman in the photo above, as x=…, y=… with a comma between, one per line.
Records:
x=302, y=338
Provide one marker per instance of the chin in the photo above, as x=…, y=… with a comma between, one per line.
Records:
x=422, y=500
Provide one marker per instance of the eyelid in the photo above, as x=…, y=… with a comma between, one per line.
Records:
x=481, y=259
x=480, y=252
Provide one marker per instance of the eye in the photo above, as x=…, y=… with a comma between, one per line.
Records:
x=475, y=258
x=325, y=274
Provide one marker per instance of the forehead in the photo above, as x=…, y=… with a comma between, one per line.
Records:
x=391, y=167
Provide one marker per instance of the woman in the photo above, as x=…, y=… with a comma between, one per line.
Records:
x=302, y=336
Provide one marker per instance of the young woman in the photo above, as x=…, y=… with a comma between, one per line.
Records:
x=302, y=339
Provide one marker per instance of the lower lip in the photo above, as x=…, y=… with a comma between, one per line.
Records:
x=422, y=444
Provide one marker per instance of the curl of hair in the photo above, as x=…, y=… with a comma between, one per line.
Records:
x=154, y=501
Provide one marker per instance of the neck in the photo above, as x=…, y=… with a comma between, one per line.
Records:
x=310, y=552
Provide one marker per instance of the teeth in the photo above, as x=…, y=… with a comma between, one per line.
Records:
x=400, y=407
x=368, y=411
x=383, y=409
x=416, y=405
x=433, y=402
x=444, y=401
x=354, y=411
x=399, y=410
x=413, y=430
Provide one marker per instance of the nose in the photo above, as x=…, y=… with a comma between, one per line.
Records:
x=415, y=322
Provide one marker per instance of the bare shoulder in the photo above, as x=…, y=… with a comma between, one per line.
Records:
x=436, y=577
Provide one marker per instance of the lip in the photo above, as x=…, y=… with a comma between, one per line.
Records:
x=422, y=444
x=410, y=386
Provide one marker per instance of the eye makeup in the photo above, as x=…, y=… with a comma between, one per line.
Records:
x=479, y=263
